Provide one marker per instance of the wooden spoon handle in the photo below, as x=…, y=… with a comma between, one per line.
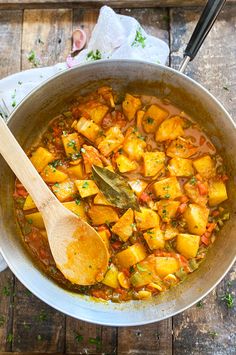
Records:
x=24, y=169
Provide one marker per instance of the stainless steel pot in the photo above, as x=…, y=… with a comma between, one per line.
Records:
x=31, y=118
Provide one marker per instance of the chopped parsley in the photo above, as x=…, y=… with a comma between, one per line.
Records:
x=6, y=291
x=193, y=180
x=167, y=196
x=213, y=333
x=39, y=337
x=13, y=96
x=55, y=163
x=96, y=341
x=228, y=299
x=32, y=58
x=94, y=55
x=199, y=304
x=150, y=120
x=72, y=144
x=139, y=39
x=140, y=268
x=78, y=202
x=42, y=316
x=2, y=320
x=79, y=337
x=225, y=88
x=20, y=83
x=85, y=185
x=9, y=338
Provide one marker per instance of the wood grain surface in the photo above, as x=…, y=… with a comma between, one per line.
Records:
x=27, y=325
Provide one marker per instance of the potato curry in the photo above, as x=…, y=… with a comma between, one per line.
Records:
x=144, y=175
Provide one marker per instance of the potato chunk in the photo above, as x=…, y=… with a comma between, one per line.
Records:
x=88, y=129
x=130, y=106
x=100, y=199
x=134, y=144
x=193, y=193
x=124, y=164
x=71, y=144
x=180, y=167
x=40, y=158
x=103, y=214
x=35, y=219
x=196, y=218
x=168, y=188
x=111, y=277
x=130, y=256
x=52, y=175
x=76, y=171
x=153, y=162
x=170, y=129
x=153, y=118
x=124, y=227
x=146, y=219
x=138, y=186
x=113, y=140
x=181, y=147
x=167, y=209
x=77, y=207
x=217, y=192
x=64, y=190
x=155, y=238
x=187, y=245
x=166, y=265
x=205, y=166
x=29, y=203
x=96, y=111
x=86, y=187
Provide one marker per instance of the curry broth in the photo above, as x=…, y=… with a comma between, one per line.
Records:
x=159, y=247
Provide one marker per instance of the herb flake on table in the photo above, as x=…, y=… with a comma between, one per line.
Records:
x=79, y=338
x=228, y=299
x=96, y=341
x=139, y=39
x=2, y=321
x=94, y=55
x=9, y=338
x=32, y=58
x=6, y=291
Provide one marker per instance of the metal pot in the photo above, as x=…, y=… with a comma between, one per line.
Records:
x=32, y=116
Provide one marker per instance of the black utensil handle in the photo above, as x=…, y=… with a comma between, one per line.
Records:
x=205, y=23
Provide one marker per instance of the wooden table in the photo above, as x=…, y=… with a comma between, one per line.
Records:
x=28, y=325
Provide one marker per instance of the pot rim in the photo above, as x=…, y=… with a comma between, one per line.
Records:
x=23, y=278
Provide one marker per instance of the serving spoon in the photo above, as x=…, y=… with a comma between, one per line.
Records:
x=78, y=250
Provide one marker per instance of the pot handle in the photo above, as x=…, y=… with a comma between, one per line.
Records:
x=205, y=23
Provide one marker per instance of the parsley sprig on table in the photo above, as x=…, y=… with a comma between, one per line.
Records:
x=94, y=55
x=139, y=39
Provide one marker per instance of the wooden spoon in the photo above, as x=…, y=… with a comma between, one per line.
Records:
x=78, y=250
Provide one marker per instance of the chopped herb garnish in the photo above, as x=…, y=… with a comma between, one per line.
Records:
x=79, y=337
x=78, y=202
x=193, y=180
x=39, y=337
x=20, y=83
x=9, y=338
x=228, y=299
x=94, y=55
x=6, y=291
x=167, y=196
x=140, y=268
x=32, y=58
x=131, y=269
x=213, y=333
x=150, y=120
x=72, y=144
x=225, y=88
x=139, y=39
x=56, y=184
x=2, y=320
x=199, y=304
x=55, y=163
x=96, y=341
x=83, y=150
x=85, y=185
x=42, y=316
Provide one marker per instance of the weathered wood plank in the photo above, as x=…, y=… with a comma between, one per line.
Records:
x=6, y=309
x=48, y=34
x=98, y=3
x=10, y=41
x=212, y=328
x=36, y=326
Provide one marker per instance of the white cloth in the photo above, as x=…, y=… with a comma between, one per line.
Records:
x=114, y=36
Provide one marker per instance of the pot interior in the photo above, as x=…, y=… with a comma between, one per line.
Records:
x=31, y=118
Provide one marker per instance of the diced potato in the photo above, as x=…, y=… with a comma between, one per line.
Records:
x=134, y=144
x=140, y=279
x=64, y=190
x=146, y=219
x=35, y=219
x=52, y=175
x=193, y=193
x=140, y=115
x=71, y=144
x=181, y=147
x=40, y=158
x=170, y=129
x=91, y=156
x=111, y=277
x=146, y=272
x=180, y=167
x=196, y=217
x=166, y=265
x=107, y=94
x=168, y=188
x=96, y=111
x=86, y=187
x=217, y=192
x=144, y=295
x=29, y=203
x=76, y=171
x=88, y=129
x=170, y=233
x=153, y=118
x=167, y=209
x=138, y=186
x=130, y=106
x=155, y=238
x=77, y=207
x=103, y=214
x=105, y=237
x=123, y=280
x=113, y=140
x=187, y=245
x=124, y=227
x=130, y=256
x=205, y=166
x=153, y=162
x=124, y=164
x=100, y=199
